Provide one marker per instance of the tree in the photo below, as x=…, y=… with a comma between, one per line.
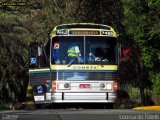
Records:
x=141, y=21
x=13, y=64
x=17, y=30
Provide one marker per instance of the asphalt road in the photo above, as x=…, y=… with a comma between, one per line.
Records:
x=79, y=114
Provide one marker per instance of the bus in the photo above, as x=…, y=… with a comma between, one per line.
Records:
x=78, y=64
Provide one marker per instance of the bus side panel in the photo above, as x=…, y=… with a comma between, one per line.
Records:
x=41, y=82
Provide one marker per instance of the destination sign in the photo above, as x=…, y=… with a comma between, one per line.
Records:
x=84, y=32
x=62, y=32
x=108, y=33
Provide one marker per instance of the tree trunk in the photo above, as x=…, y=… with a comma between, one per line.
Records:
x=1, y=90
x=142, y=95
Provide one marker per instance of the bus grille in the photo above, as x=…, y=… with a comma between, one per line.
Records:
x=38, y=78
x=84, y=76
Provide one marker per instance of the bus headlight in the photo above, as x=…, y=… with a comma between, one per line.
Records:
x=63, y=86
x=109, y=86
x=102, y=85
x=66, y=85
x=106, y=86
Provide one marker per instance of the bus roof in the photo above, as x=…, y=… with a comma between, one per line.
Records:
x=81, y=26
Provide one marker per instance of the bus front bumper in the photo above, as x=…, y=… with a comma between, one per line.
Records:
x=66, y=97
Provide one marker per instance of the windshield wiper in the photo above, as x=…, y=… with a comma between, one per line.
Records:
x=77, y=57
x=102, y=65
x=70, y=63
x=103, y=60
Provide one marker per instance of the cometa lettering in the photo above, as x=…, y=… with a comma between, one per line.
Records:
x=85, y=67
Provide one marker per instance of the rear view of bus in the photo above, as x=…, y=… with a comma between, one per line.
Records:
x=81, y=68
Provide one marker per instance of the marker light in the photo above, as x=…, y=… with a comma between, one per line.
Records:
x=115, y=86
x=54, y=86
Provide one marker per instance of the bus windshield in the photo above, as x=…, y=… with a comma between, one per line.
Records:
x=84, y=50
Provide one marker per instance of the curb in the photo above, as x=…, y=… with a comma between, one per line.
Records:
x=147, y=108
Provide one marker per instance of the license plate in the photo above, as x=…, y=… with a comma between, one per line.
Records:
x=39, y=98
x=84, y=86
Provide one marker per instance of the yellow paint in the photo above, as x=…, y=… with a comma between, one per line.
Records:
x=30, y=102
x=84, y=67
x=78, y=67
x=32, y=70
x=147, y=108
x=29, y=95
x=29, y=87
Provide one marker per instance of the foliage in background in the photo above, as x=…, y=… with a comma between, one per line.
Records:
x=137, y=23
x=18, y=27
x=155, y=77
x=13, y=53
x=141, y=21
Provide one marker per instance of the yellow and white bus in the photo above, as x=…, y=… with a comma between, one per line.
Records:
x=78, y=65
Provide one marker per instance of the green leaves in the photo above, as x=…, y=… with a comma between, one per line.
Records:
x=142, y=24
x=155, y=77
x=14, y=56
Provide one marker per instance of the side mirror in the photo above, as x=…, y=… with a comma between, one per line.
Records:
x=37, y=55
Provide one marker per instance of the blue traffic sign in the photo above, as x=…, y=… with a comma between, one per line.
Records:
x=33, y=60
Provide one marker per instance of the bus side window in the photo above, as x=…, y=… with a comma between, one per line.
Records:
x=37, y=55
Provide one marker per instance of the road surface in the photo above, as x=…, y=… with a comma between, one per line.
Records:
x=79, y=114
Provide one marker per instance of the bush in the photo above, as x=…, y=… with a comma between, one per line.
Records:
x=156, y=99
x=5, y=106
x=155, y=77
